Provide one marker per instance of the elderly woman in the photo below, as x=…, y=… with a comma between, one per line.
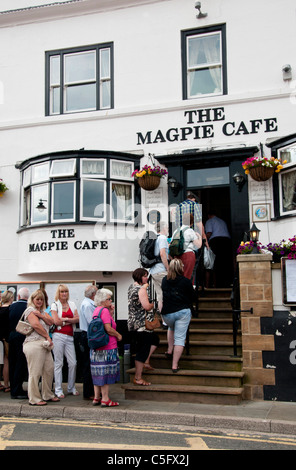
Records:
x=146, y=340
x=6, y=301
x=37, y=349
x=65, y=316
x=104, y=361
x=176, y=312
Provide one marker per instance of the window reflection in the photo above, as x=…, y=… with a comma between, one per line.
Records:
x=63, y=201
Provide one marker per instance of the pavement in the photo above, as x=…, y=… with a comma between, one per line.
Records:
x=256, y=416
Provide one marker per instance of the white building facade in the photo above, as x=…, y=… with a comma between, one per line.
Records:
x=92, y=89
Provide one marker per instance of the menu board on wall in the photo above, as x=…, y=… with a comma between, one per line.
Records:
x=288, y=267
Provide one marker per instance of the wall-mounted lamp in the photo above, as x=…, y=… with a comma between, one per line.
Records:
x=254, y=237
x=239, y=180
x=40, y=206
x=198, y=7
x=287, y=72
x=174, y=185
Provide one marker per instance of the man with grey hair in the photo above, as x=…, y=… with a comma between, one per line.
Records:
x=87, y=308
x=18, y=370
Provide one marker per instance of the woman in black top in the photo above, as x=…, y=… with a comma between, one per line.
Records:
x=176, y=311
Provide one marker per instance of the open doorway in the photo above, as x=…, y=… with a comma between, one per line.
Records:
x=216, y=200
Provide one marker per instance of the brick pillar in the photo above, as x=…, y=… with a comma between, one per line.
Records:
x=256, y=292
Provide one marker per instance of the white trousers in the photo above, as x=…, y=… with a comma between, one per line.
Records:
x=64, y=346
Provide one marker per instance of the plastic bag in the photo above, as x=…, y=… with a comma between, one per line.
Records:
x=209, y=258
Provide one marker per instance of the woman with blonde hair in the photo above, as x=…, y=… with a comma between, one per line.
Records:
x=37, y=349
x=6, y=301
x=176, y=312
x=65, y=316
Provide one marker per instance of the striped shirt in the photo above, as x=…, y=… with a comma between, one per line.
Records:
x=188, y=207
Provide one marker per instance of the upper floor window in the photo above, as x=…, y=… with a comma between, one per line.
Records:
x=79, y=79
x=204, y=62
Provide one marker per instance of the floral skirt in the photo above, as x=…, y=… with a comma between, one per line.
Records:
x=104, y=366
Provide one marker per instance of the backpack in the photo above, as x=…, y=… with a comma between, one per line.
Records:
x=96, y=334
x=177, y=244
x=147, y=247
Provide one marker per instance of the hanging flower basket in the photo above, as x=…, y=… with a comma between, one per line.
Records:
x=149, y=182
x=3, y=187
x=261, y=173
x=262, y=168
x=149, y=177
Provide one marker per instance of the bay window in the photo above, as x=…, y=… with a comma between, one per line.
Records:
x=85, y=187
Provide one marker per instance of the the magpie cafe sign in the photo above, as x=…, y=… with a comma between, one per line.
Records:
x=63, y=239
x=202, y=124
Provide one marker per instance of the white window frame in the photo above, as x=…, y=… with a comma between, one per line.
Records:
x=60, y=221
x=287, y=147
x=281, y=174
x=98, y=219
x=112, y=219
x=71, y=172
x=78, y=82
x=39, y=165
x=126, y=178
x=45, y=200
x=206, y=65
x=27, y=175
x=92, y=175
x=106, y=78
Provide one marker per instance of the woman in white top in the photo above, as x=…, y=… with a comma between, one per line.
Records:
x=65, y=315
x=37, y=349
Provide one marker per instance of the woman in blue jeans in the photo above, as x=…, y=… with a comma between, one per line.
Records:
x=176, y=311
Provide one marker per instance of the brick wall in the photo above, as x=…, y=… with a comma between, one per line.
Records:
x=256, y=293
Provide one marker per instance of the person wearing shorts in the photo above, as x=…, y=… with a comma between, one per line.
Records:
x=176, y=311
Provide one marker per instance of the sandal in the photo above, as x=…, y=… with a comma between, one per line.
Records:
x=148, y=367
x=75, y=394
x=141, y=382
x=54, y=399
x=96, y=401
x=109, y=403
x=6, y=389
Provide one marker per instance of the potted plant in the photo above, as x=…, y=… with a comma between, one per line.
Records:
x=246, y=248
x=3, y=187
x=282, y=248
x=262, y=168
x=149, y=177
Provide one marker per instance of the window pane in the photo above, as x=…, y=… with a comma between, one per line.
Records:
x=202, y=82
x=288, y=186
x=55, y=70
x=288, y=154
x=27, y=177
x=55, y=100
x=105, y=94
x=93, y=199
x=105, y=63
x=40, y=172
x=63, y=168
x=208, y=177
x=122, y=202
x=121, y=169
x=81, y=97
x=63, y=201
x=203, y=50
x=80, y=67
x=39, y=194
x=93, y=167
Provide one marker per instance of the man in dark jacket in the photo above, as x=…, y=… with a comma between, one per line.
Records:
x=18, y=371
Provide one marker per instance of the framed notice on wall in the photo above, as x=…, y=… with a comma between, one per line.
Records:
x=288, y=267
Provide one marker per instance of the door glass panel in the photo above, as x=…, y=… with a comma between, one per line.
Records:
x=208, y=177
